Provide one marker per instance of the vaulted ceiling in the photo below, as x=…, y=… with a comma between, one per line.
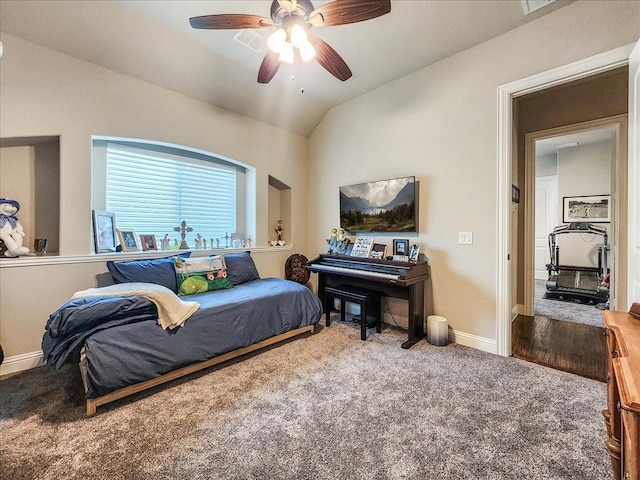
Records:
x=153, y=41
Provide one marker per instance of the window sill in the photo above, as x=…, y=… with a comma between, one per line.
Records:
x=32, y=261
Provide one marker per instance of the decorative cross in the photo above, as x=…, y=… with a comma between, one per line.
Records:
x=226, y=240
x=183, y=229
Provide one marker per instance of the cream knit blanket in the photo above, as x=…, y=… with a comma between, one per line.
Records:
x=172, y=311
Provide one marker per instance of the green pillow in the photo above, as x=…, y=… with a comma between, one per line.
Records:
x=202, y=274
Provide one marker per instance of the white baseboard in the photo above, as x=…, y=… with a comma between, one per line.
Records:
x=473, y=341
x=18, y=363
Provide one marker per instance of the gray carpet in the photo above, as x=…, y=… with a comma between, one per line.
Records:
x=568, y=311
x=327, y=406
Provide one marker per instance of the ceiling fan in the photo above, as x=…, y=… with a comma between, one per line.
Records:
x=293, y=19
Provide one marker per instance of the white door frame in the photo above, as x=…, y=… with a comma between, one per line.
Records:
x=603, y=62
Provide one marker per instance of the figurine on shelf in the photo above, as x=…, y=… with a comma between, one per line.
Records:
x=332, y=241
x=198, y=241
x=164, y=243
x=279, y=232
x=204, y=243
x=343, y=243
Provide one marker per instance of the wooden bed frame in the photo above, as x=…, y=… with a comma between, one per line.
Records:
x=94, y=403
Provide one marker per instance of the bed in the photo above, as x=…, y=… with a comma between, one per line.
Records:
x=123, y=348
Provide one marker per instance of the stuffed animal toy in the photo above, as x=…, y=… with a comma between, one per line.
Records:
x=11, y=232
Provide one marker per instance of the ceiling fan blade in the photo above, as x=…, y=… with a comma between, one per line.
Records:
x=230, y=21
x=269, y=67
x=341, y=12
x=330, y=60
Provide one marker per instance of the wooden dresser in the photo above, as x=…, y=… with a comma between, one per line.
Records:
x=622, y=415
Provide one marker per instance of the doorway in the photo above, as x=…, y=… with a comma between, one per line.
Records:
x=508, y=172
x=564, y=331
x=582, y=161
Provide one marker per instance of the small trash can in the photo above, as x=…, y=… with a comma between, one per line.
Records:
x=437, y=330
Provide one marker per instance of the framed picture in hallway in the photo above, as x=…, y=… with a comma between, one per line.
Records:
x=515, y=194
x=587, y=208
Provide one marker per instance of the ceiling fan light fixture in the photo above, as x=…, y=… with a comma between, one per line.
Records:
x=307, y=52
x=298, y=36
x=277, y=40
x=292, y=20
x=286, y=54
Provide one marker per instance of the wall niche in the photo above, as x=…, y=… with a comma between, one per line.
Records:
x=279, y=209
x=30, y=174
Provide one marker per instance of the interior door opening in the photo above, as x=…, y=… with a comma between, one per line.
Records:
x=573, y=222
x=510, y=272
x=579, y=205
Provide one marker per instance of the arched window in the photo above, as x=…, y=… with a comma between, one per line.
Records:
x=151, y=188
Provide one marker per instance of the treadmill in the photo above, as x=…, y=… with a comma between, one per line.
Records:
x=589, y=285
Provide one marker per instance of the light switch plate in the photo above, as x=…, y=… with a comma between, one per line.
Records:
x=465, y=238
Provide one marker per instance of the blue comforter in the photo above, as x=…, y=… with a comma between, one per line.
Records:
x=70, y=325
x=131, y=349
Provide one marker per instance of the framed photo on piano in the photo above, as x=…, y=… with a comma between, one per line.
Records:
x=400, y=247
x=379, y=251
x=414, y=253
x=362, y=247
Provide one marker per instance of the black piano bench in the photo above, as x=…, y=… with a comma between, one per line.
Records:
x=369, y=301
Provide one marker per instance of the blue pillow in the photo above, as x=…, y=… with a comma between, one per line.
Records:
x=240, y=268
x=156, y=270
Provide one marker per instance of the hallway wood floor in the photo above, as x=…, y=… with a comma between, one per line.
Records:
x=571, y=347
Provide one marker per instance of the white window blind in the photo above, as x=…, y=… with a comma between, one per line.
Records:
x=152, y=191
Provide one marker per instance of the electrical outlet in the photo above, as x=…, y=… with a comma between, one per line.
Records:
x=465, y=238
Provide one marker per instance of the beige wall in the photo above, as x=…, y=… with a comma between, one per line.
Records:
x=45, y=93
x=440, y=124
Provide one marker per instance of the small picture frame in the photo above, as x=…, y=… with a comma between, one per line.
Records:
x=128, y=241
x=400, y=246
x=587, y=208
x=104, y=231
x=515, y=194
x=362, y=247
x=348, y=249
x=378, y=251
x=414, y=252
x=148, y=242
